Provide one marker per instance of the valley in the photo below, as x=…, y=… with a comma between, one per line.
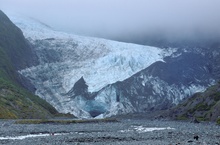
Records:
x=92, y=77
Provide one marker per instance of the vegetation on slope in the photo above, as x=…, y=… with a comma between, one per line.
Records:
x=202, y=106
x=218, y=121
x=15, y=54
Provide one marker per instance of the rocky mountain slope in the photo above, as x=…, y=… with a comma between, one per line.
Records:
x=158, y=87
x=203, y=106
x=91, y=77
x=15, y=54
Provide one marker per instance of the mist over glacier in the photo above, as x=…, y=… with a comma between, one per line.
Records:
x=126, y=20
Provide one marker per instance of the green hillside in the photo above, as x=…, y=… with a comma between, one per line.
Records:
x=202, y=106
x=15, y=54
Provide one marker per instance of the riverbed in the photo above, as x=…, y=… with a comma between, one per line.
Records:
x=124, y=132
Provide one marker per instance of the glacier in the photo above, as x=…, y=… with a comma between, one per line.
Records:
x=64, y=58
x=93, y=77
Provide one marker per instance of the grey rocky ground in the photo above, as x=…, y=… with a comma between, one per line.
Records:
x=124, y=132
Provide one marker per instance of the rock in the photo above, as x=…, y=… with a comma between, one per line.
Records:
x=195, y=121
x=196, y=137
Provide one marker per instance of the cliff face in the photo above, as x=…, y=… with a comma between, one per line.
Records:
x=15, y=51
x=15, y=45
x=16, y=54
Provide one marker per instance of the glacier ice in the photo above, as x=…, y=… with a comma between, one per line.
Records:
x=65, y=58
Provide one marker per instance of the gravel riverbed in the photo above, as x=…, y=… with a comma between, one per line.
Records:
x=124, y=132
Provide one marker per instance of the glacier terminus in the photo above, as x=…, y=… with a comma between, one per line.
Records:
x=93, y=77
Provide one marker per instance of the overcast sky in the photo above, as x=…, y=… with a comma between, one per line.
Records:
x=115, y=18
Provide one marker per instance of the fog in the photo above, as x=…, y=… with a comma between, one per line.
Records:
x=125, y=19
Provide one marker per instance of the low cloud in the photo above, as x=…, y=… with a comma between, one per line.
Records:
x=118, y=19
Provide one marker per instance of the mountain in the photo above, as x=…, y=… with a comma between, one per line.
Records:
x=204, y=106
x=93, y=77
x=161, y=85
x=16, y=53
